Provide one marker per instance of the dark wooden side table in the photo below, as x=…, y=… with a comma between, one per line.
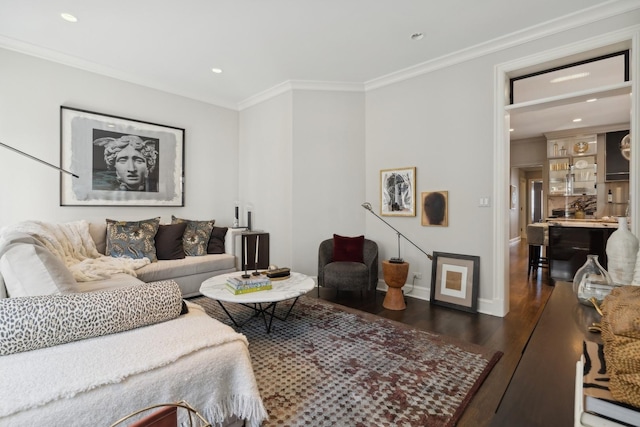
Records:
x=541, y=391
x=248, y=250
x=569, y=247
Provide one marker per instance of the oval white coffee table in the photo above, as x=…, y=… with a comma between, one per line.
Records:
x=262, y=302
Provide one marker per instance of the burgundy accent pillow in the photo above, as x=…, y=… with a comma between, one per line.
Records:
x=169, y=241
x=216, y=241
x=348, y=248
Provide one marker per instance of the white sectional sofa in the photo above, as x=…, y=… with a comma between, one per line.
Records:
x=89, y=352
x=188, y=272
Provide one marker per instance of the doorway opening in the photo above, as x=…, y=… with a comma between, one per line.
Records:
x=504, y=114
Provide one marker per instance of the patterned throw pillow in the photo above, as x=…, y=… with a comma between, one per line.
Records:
x=30, y=323
x=133, y=239
x=196, y=237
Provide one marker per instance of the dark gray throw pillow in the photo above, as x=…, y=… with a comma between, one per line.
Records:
x=216, y=241
x=169, y=241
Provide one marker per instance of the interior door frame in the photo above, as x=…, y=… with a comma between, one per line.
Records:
x=501, y=147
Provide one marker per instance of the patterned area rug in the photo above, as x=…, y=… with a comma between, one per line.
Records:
x=329, y=365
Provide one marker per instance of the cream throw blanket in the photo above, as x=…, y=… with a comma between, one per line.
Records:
x=72, y=243
x=59, y=375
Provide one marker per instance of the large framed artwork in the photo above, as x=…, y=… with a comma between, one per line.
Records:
x=435, y=208
x=455, y=281
x=119, y=161
x=398, y=192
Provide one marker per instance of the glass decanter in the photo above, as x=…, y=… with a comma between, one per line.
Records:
x=592, y=281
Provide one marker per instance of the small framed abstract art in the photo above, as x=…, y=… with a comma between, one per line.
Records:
x=435, y=208
x=513, y=196
x=455, y=281
x=119, y=161
x=398, y=192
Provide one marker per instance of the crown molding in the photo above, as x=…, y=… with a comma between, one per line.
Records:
x=103, y=70
x=593, y=14
x=291, y=85
x=545, y=29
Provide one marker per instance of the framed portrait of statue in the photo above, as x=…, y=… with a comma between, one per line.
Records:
x=119, y=162
x=398, y=192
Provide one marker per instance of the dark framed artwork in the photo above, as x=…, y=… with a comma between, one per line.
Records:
x=398, y=192
x=435, y=208
x=119, y=161
x=455, y=281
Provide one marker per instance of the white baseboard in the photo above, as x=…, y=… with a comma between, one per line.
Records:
x=424, y=293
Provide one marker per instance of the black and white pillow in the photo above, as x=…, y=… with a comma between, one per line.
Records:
x=30, y=323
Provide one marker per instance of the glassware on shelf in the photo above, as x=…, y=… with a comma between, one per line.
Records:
x=592, y=281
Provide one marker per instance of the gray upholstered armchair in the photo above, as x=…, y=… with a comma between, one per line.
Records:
x=348, y=275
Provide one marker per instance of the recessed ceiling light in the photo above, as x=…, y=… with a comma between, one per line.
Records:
x=217, y=70
x=417, y=36
x=577, y=120
x=592, y=100
x=69, y=17
x=569, y=77
x=511, y=130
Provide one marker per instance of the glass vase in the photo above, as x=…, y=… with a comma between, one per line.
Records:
x=592, y=281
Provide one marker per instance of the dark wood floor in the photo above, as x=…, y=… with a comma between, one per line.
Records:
x=508, y=334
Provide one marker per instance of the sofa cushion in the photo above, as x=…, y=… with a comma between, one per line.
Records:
x=133, y=239
x=98, y=232
x=166, y=269
x=348, y=249
x=118, y=280
x=196, y=236
x=29, y=269
x=216, y=241
x=30, y=323
x=169, y=241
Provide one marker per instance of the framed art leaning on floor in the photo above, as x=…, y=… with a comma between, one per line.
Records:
x=119, y=161
x=455, y=281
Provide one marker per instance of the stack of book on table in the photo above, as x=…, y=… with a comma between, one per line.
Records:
x=238, y=285
x=595, y=406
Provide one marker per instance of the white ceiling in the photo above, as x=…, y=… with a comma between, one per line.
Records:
x=172, y=45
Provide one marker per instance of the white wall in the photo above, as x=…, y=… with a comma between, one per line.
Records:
x=302, y=159
x=31, y=93
x=328, y=171
x=266, y=173
x=433, y=122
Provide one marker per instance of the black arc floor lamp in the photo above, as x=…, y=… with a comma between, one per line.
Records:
x=395, y=271
x=38, y=160
x=397, y=260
